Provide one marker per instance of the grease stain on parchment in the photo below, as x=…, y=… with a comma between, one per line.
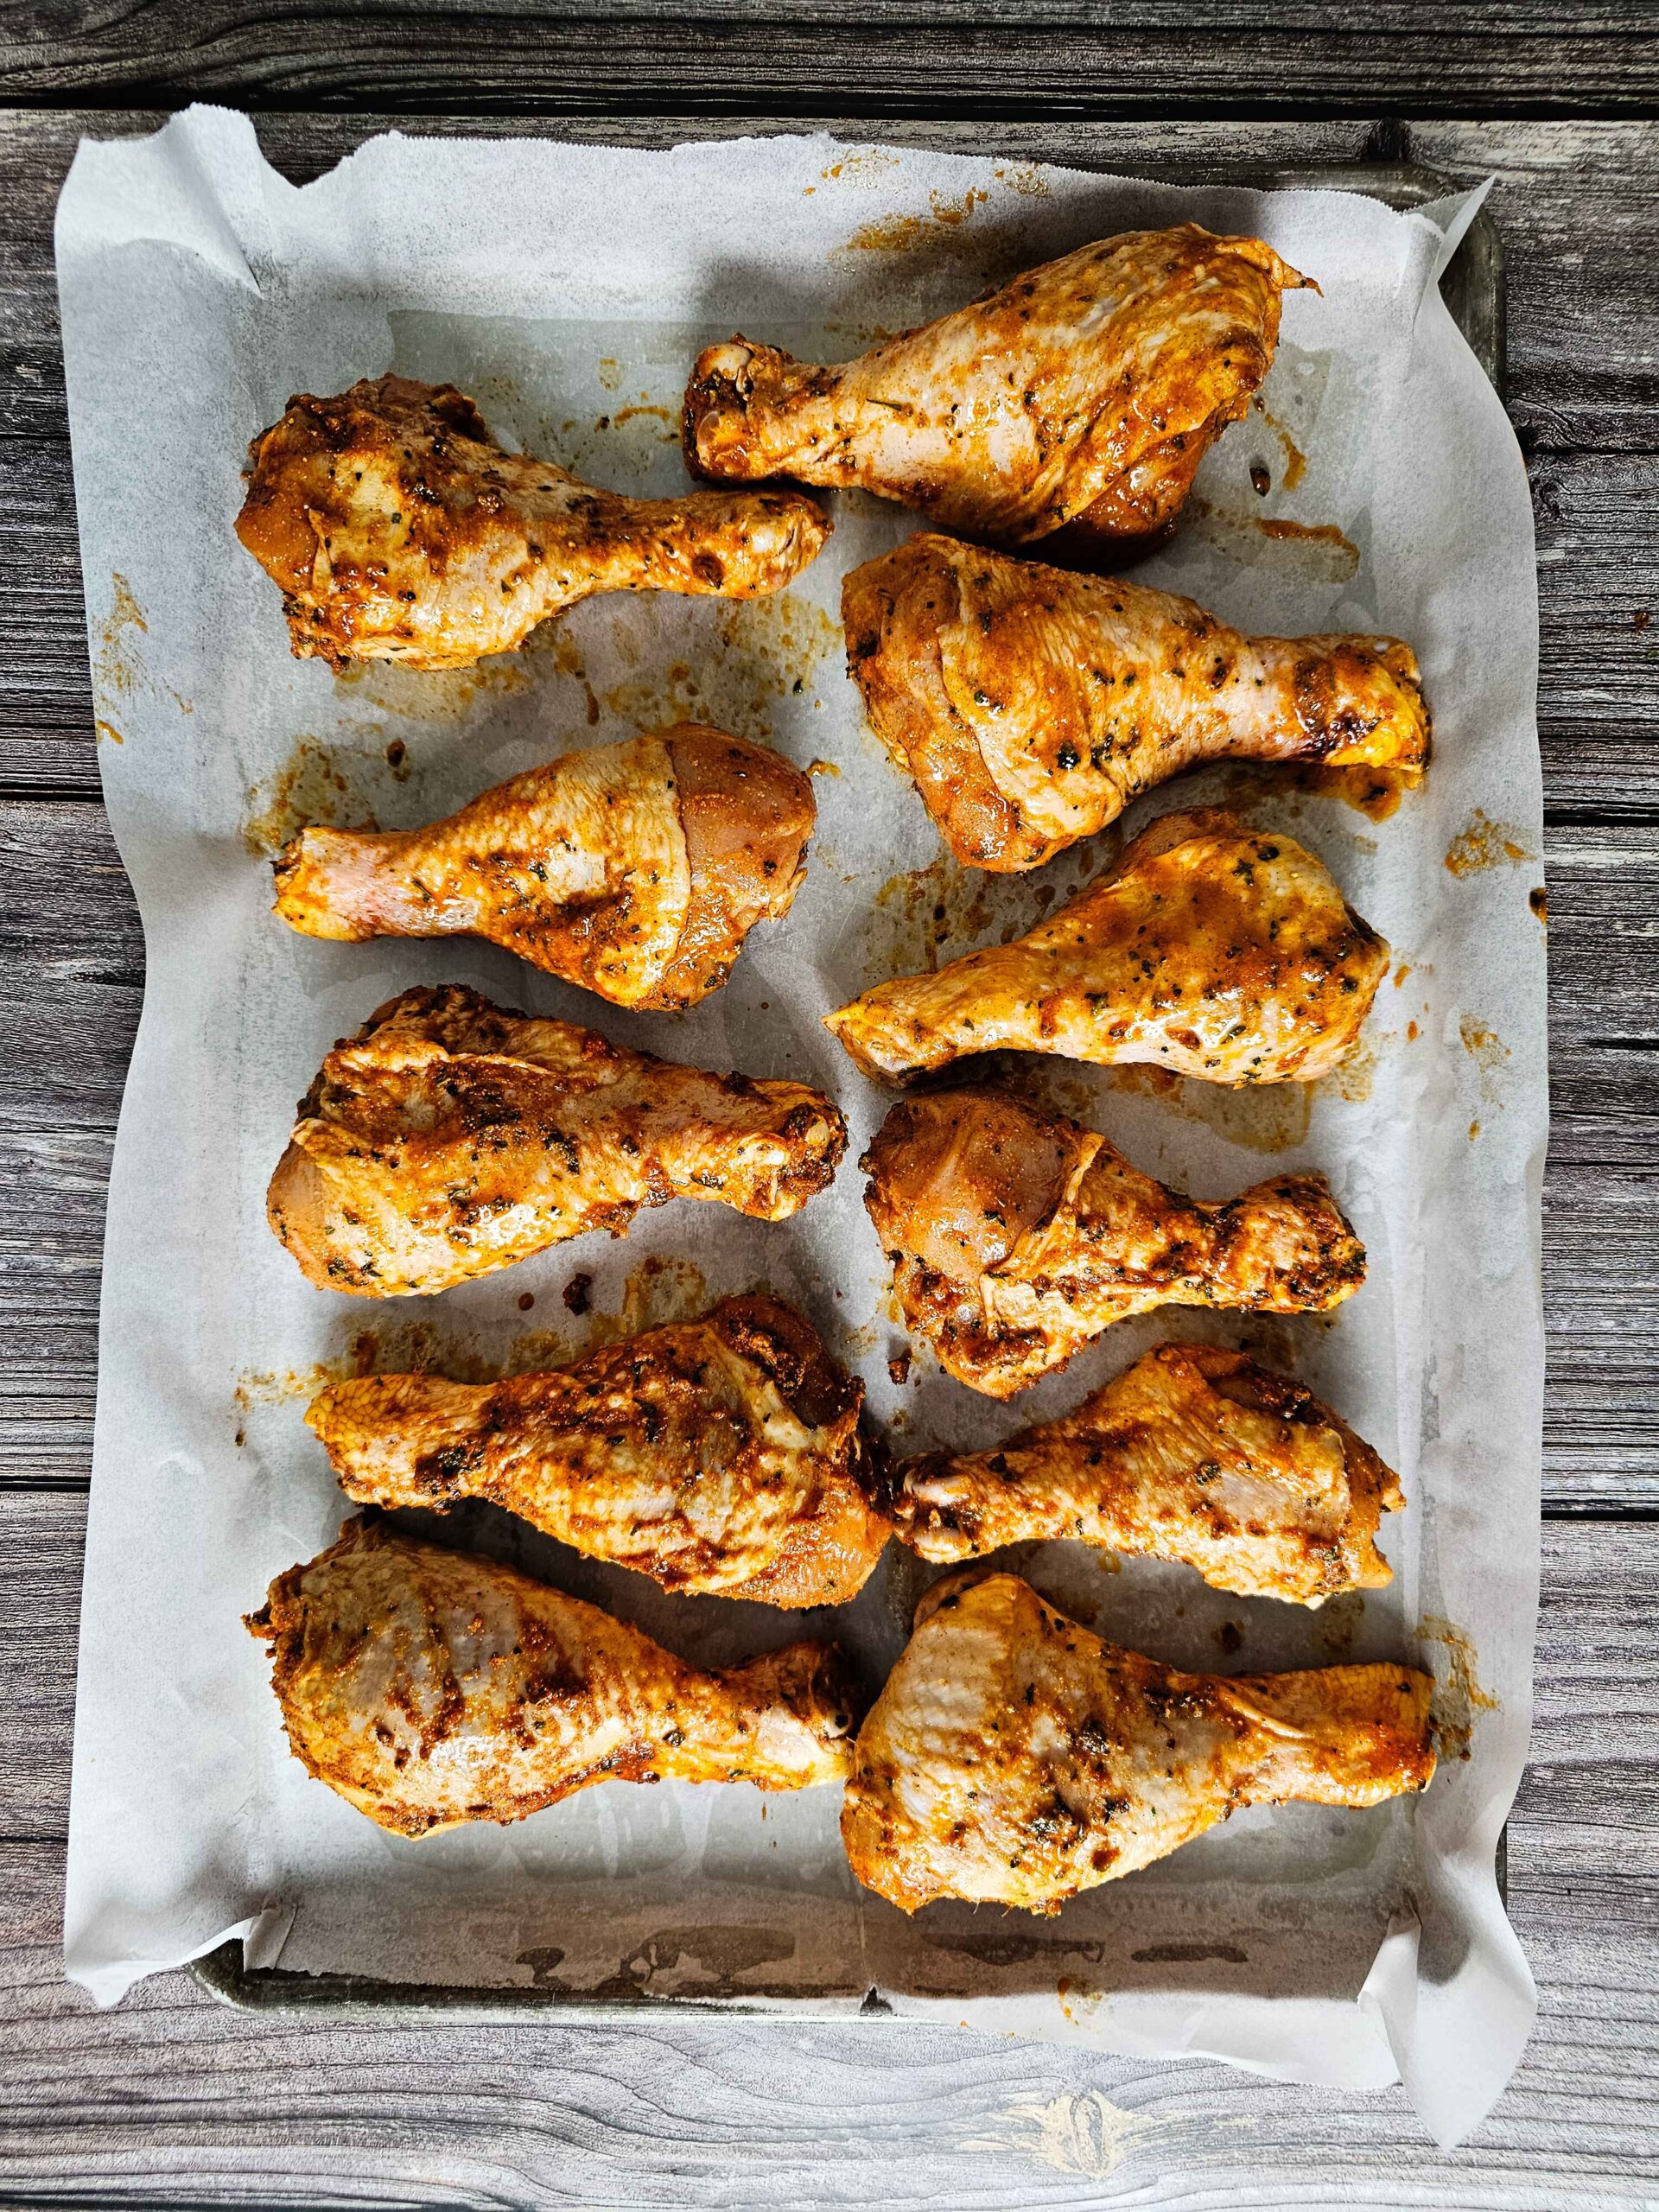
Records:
x=1538, y=899
x=1374, y=792
x=1485, y=1048
x=1317, y=552
x=658, y=1291
x=1080, y=2132
x=1483, y=843
x=118, y=664
x=310, y=789
x=905, y=233
x=1274, y=1117
x=1458, y=1694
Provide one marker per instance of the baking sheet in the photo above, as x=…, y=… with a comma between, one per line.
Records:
x=569, y=289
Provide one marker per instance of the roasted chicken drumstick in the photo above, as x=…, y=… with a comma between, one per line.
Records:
x=636, y=870
x=1016, y=1236
x=1080, y=398
x=397, y=529
x=449, y=1138
x=1032, y=705
x=1211, y=950
x=1193, y=1454
x=1014, y=1758
x=430, y=1687
x=720, y=1456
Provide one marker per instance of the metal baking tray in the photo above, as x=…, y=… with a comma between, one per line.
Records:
x=1472, y=288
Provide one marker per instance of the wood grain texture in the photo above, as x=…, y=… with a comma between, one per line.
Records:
x=1070, y=57
x=173, y=2102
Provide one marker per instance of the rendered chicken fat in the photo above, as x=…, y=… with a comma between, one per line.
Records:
x=1079, y=399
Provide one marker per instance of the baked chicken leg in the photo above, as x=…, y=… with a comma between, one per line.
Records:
x=1017, y=1235
x=1080, y=398
x=1014, y=1758
x=636, y=870
x=1031, y=705
x=449, y=1138
x=430, y=1687
x=1193, y=1454
x=720, y=1456
x=397, y=529
x=1210, y=950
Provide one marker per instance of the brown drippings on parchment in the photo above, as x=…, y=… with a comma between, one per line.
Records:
x=311, y=788
x=904, y=233
x=1483, y=843
x=1458, y=1694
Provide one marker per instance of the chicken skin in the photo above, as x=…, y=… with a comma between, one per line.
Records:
x=450, y=1138
x=636, y=870
x=1032, y=705
x=1080, y=398
x=1015, y=1759
x=720, y=1456
x=430, y=1687
x=1209, y=949
x=1193, y=1454
x=397, y=529
x=1017, y=1235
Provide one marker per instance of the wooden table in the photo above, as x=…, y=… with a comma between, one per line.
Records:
x=171, y=2100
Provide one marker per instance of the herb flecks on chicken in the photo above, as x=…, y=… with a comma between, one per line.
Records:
x=1073, y=405
x=1194, y=1454
x=397, y=527
x=635, y=870
x=720, y=1457
x=429, y=1687
x=1210, y=949
x=1015, y=1759
x=1016, y=1236
x=450, y=1138
x=1031, y=705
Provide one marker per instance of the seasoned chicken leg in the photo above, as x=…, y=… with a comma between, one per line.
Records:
x=397, y=529
x=1211, y=950
x=1016, y=1236
x=1014, y=1758
x=636, y=870
x=1080, y=398
x=449, y=1138
x=720, y=1456
x=429, y=1687
x=1032, y=705
x=1193, y=1454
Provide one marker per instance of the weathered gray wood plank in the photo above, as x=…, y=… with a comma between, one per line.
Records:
x=71, y=970
x=172, y=2101
x=947, y=56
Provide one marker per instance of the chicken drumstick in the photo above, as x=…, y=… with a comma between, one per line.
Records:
x=719, y=1457
x=430, y=1687
x=449, y=1138
x=1193, y=1454
x=397, y=529
x=1017, y=1235
x=636, y=870
x=1080, y=398
x=1031, y=705
x=1014, y=1758
x=1211, y=950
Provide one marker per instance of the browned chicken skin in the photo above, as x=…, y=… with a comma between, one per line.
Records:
x=430, y=1687
x=1015, y=1759
x=720, y=1456
x=1193, y=1454
x=1210, y=949
x=450, y=1138
x=1080, y=398
x=1017, y=1235
x=397, y=529
x=636, y=870
x=1031, y=705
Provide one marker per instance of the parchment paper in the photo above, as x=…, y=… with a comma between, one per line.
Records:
x=569, y=289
